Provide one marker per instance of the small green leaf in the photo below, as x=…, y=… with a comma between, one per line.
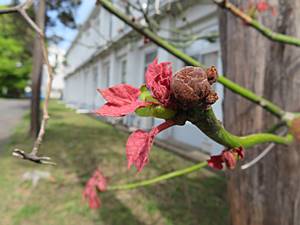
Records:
x=146, y=95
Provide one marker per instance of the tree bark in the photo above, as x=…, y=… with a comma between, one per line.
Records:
x=269, y=192
x=37, y=69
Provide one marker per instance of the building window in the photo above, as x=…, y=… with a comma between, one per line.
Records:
x=149, y=57
x=147, y=122
x=123, y=70
x=209, y=59
x=95, y=77
x=106, y=71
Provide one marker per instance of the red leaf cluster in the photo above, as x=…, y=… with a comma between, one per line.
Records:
x=139, y=145
x=229, y=157
x=122, y=100
x=158, y=81
x=96, y=182
x=263, y=6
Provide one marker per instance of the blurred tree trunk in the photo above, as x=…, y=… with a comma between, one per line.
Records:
x=269, y=192
x=37, y=69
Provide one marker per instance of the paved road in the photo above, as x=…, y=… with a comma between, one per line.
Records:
x=11, y=112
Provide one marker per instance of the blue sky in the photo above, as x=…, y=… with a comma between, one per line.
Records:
x=69, y=34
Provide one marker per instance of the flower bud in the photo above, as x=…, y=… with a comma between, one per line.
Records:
x=212, y=74
x=295, y=128
x=229, y=159
x=191, y=87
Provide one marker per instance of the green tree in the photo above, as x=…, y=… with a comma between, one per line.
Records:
x=15, y=55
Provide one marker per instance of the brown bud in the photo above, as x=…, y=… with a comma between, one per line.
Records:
x=295, y=128
x=190, y=87
x=229, y=159
x=212, y=74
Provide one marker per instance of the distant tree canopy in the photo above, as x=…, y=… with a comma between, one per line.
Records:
x=15, y=55
x=16, y=44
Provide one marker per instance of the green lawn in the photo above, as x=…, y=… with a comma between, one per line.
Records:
x=78, y=144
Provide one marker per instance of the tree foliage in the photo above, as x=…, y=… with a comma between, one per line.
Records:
x=15, y=55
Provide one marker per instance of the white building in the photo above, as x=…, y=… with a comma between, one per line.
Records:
x=107, y=52
x=56, y=58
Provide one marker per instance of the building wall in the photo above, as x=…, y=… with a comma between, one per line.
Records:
x=126, y=61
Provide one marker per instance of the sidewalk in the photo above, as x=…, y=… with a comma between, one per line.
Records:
x=11, y=112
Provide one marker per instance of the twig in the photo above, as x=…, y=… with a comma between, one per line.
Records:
x=32, y=156
x=145, y=13
x=31, y=22
x=16, y=9
x=161, y=178
x=282, y=38
x=45, y=108
x=9, y=10
x=261, y=155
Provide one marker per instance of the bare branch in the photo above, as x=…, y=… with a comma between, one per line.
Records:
x=9, y=10
x=17, y=8
x=32, y=156
x=277, y=37
x=31, y=22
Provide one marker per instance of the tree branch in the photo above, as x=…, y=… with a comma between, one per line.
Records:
x=9, y=10
x=32, y=156
x=17, y=8
x=207, y=122
x=161, y=178
x=246, y=93
x=282, y=38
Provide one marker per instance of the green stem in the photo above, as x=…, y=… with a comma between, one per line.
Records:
x=207, y=122
x=275, y=127
x=164, y=177
x=264, y=103
x=269, y=106
x=282, y=38
x=273, y=35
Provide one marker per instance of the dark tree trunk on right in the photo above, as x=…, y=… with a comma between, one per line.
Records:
x=269, y=192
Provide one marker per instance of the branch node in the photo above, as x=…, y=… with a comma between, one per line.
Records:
x=33, y=157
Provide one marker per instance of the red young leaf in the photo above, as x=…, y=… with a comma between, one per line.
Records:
x=158, y=80
x=215, y=162
x=139, y=144
x=121, y=99
x=97, y=181
x=229, y=159
x=262, y=6
x=240, y=152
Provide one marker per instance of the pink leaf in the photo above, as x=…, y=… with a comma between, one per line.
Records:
x=100, y=180
x=240, y=152
x=229, y=159
x=262, y=6
x=139, y=145
x=228, y=156
x=97, y=181
x=215, y=162
x=121, y=99
x=158, y=80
